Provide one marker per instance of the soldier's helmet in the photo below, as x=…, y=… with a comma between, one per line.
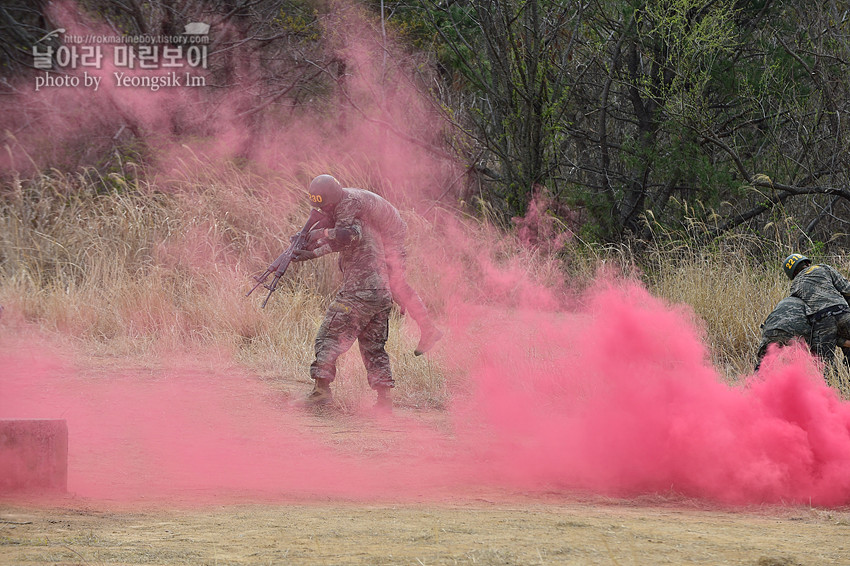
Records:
x=793, y=263
x=325, y=191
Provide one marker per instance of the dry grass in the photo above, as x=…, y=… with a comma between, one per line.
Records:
x=164, y=265
x=731, y=292
x=156, y=265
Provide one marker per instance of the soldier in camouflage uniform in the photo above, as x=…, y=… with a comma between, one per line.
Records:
x=785, y=323
x=825, y=293
x=368, y=233
x=382, y=216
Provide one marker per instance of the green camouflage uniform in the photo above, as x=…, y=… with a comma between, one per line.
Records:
x=785, y=323
x=361, y=309
x=825, y=293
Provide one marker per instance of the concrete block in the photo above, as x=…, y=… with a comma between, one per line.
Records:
x=33, y=455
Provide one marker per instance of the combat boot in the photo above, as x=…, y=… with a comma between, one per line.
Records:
x=384, y=403
x=429, y=335
x=320, y=395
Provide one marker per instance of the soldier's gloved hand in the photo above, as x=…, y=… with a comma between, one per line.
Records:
x=315, y=237
x=303, y=255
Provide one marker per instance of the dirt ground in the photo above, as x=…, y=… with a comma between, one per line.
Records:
x=514, y=530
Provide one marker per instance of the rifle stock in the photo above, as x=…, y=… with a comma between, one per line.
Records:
x=281, y=264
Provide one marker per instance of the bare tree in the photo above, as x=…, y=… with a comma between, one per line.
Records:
x=628, y=111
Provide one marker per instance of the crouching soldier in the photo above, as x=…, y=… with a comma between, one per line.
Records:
x=787, y=322
x=825, y=293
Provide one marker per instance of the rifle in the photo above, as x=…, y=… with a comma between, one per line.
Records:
x=279, y=266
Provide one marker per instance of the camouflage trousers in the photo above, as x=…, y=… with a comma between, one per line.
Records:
x=350, y=318
x=827, y=332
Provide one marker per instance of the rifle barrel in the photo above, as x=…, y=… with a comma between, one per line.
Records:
x=271, y=287
x=260, y=280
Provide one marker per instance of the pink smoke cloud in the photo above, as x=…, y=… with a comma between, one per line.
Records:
x=615, y=398
x=380, y=125
x=620, y=398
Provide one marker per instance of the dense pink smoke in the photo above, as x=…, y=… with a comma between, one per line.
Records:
x=190, y=434
x=619, y=397
x=380, y=125
x=609, y=390
x=614, y=398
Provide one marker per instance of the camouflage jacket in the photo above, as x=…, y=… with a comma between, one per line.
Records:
x=787, y=319
x=375, y=211
x=361, y=250
x=820, y=287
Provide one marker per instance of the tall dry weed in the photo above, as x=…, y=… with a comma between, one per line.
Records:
x=732, y=286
